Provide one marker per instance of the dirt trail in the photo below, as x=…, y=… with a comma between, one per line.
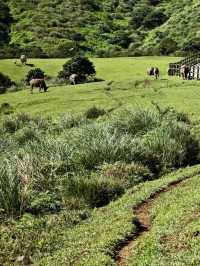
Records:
x=143, y=223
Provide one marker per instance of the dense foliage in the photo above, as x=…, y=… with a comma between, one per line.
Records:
x=5, y=22
x=103, y=28
x=36, y=73
x=76, y=159
x=79, y=65
x=5, y=83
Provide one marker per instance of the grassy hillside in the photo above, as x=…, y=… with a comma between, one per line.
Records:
x=105, y=28
x=63, y=161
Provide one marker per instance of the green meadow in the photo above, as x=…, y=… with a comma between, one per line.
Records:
x=131, y=87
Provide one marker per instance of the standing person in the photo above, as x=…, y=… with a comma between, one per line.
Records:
x=187, y=71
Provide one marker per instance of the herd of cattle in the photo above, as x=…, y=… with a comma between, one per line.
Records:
x=73, y=79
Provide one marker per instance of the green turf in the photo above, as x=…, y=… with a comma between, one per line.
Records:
x=174, y=238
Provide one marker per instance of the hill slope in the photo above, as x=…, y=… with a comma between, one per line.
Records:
x=105, y=28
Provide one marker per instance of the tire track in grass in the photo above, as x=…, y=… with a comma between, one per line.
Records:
x=142, y=222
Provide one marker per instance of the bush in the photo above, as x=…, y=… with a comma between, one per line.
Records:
x=138, y=15
x=68, y=121
x=36, y=73
x=134, y=121
x=10, y=125
x=79, y=65
x=154, y=19
x=128, y=174
x=26, y=134
x=96, y=191
x=167, y=46
x=98, y=145
x=11, y=195
x=6, y=108
x=15, y=122
x=42, y=202
x=5, y=83
x=94, y=112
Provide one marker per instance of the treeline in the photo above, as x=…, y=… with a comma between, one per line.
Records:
x=58, y=28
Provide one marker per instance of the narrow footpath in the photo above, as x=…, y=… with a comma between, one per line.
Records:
x=142, y=222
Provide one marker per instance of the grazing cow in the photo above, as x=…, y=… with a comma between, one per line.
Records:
x=73, y=79
x=23, y=59
x=156, y=72
x=184, y=71
x=38, y=83
x=153, y=71
x=150, y=71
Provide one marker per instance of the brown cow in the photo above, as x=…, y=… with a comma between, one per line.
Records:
x=38, y=83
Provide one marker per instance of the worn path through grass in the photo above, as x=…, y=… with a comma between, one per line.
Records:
x=142, y=222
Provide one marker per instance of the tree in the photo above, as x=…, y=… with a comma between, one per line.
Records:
x=36, y=73
x=122, y=39
x=192, y=45
x=5, y=23
x=77, y=65
x=168, y=46
x=138, y=15
x=154, y=19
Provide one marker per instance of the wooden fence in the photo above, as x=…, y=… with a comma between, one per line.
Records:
x=192, y=61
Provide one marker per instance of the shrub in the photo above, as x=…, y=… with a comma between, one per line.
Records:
x=68, y=121
x=15, y=122
x=6, y=108
x=5, y=83
x=36, y=73
x=167, y=46
x=134, y=121
x=154, y=19
x=5, y=23
x=11, y=199
x=128, y=174
x=96, y=191
x=43, y=202
x=77, y=65
x=98, y=145
x=26, y=134
x=94, y=112
x=10, y=125
x=138, y=15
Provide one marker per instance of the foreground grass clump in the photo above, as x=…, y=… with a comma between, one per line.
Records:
x=65, y=167
x=52, y=162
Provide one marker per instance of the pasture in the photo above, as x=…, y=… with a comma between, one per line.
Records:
x=131, y=87
x=69, y=182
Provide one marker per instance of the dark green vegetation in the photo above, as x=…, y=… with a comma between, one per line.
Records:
x=36, y=73
x=5, y=83
x=103, y=28
x=79, y=65
x=5, y=23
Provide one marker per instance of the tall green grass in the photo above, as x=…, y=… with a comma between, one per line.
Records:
x=61, y=159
